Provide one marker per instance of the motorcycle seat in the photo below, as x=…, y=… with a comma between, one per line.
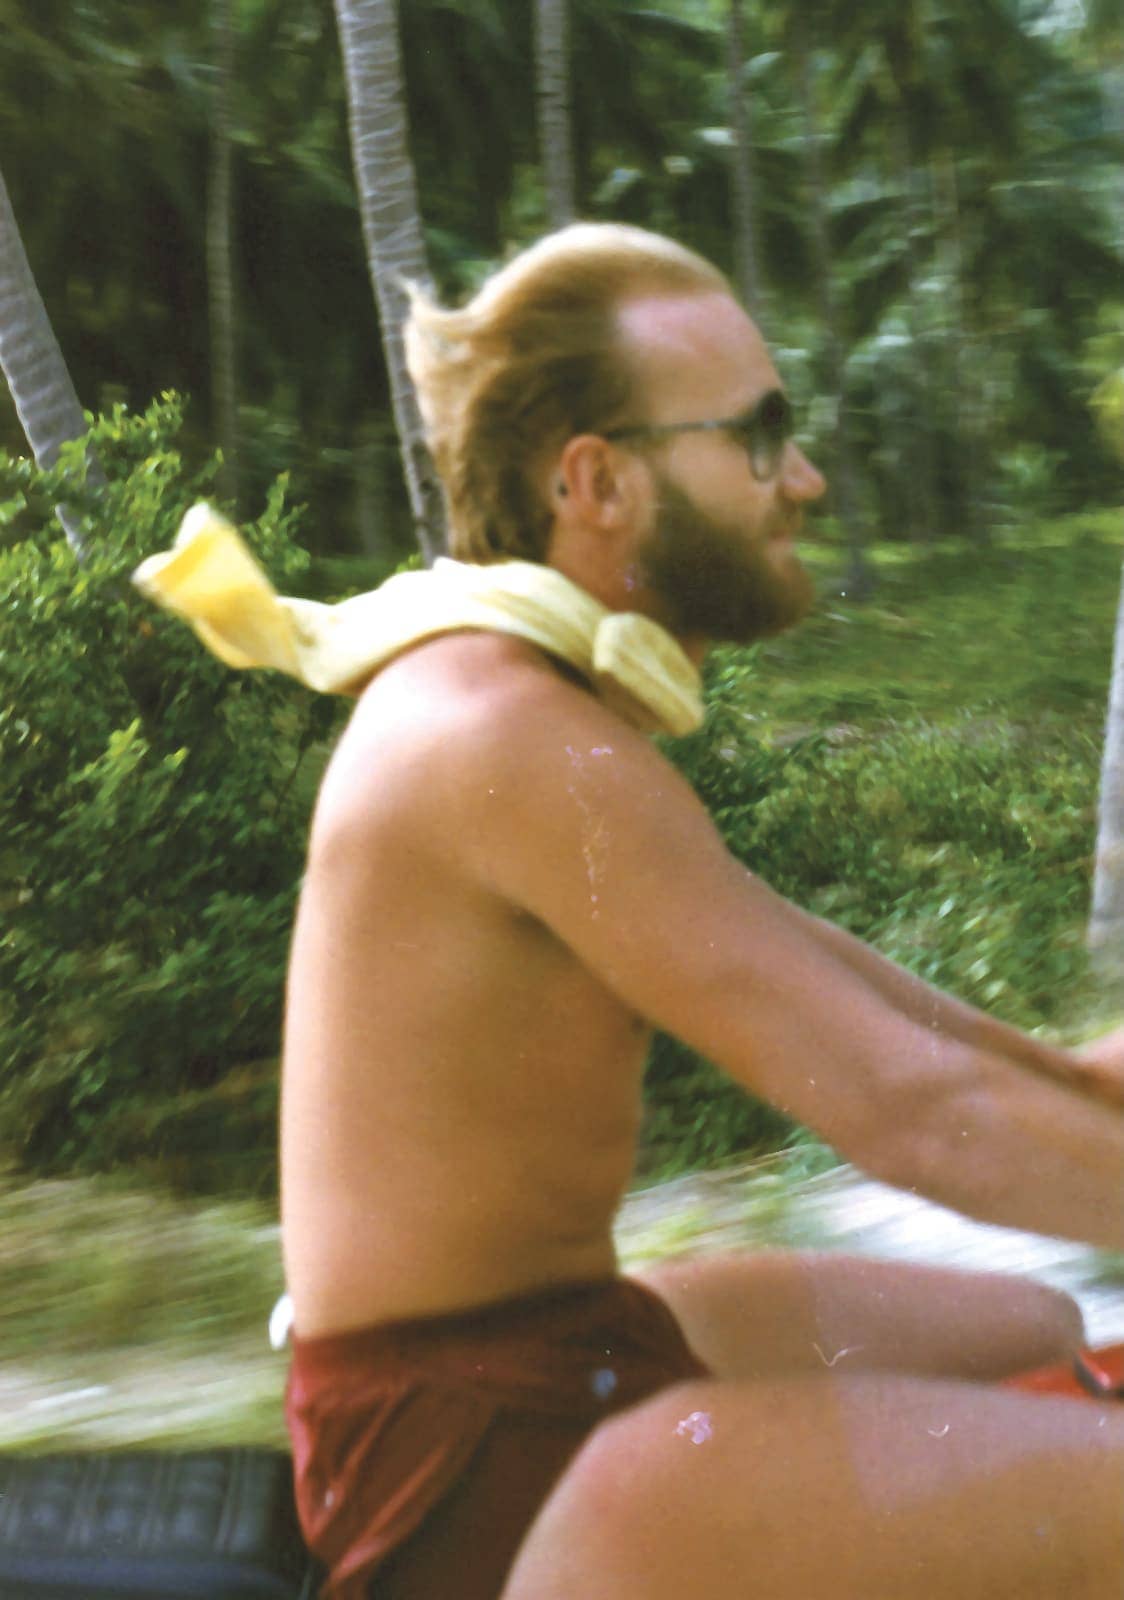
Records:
x=151, y=1525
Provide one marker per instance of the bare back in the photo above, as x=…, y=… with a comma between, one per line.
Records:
x=460, y=1093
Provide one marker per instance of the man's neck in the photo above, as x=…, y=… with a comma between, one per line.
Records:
x=624, y=590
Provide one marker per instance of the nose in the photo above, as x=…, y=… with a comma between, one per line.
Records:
x=800, y=480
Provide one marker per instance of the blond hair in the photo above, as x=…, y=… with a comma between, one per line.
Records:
x=532, y=359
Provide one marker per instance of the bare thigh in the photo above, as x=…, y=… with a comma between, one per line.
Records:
x=853, y=1488
x=781, y=1312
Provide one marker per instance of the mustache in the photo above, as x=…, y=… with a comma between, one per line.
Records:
x=783, y=523
x=784, y=526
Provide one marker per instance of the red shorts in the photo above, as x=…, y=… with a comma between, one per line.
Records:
x=423, y=1450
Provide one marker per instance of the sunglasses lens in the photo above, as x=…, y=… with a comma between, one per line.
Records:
x=771, y=428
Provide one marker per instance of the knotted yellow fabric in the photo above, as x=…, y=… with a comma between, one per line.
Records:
x=210, y=578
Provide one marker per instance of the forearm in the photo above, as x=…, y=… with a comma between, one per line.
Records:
x=932, y=1008
x=909, y=1085
x=1026, y=1152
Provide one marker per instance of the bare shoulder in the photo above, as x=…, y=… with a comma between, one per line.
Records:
x=547, y=768
x=515, y=774
x=417, y=722
x=566, y=812
x=501, y=776
x=484, y=716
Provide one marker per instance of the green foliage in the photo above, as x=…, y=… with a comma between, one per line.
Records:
x=960, y=850
x=952, y=148
x=152, y=810
x=88, y=1263
x=1108, y=402
x=923, y=772
x=132, y=1316
x=949, y=823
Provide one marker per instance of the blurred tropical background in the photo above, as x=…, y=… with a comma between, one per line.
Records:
x=205, y=214
x=924, y=203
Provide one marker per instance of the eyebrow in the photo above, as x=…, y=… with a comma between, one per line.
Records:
x=770, y=397
x=777, y=392
x=738, y=419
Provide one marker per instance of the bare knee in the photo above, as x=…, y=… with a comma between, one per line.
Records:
x=1027, y=1324
x=777, y=1313
x=663, y=1501
x=1059, y=1323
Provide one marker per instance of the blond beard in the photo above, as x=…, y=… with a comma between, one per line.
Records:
x=714, y=582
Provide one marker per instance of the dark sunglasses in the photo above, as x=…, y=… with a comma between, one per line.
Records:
x=762, y=433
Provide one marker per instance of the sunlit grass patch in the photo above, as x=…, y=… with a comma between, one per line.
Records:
x=166, y=1395
x=741, y=1205
x=1023, y=625
x=91, y=1264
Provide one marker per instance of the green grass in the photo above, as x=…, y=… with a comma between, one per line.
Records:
x=93, y=1263
x=130, y=1316
x=1011, y=641
x=1019, y=629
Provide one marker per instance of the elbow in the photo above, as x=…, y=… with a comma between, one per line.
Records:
x=939, y=1149
x=900, y=1157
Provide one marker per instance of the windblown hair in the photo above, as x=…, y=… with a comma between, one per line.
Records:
x=534, y=358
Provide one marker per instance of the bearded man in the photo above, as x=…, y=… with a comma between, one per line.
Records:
x=508, y=888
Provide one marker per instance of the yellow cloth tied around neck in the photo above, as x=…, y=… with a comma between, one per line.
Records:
x=210, y=578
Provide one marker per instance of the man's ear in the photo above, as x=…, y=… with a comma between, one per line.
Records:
x=598, y=483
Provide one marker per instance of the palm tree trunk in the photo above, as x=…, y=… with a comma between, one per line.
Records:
x=392, y=228
x=373, y=454
x=552, y=73
x=746, y=268
x=859, y=581
x=902, y=52
x=220, y=255
x=1113, y=86
x=1106, y=924
x=963, y=356
x=44, y=394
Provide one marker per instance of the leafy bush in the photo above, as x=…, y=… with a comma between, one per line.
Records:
x=960, y=848
x=694, y=1115
x=153, y=810
x=963, y=852
x=152, y=813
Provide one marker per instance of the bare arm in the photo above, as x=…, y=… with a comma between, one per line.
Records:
x=932, y=1008
x=569, y=816
x=1102, y=1066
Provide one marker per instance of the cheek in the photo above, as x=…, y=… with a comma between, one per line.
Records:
x=724, y=489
